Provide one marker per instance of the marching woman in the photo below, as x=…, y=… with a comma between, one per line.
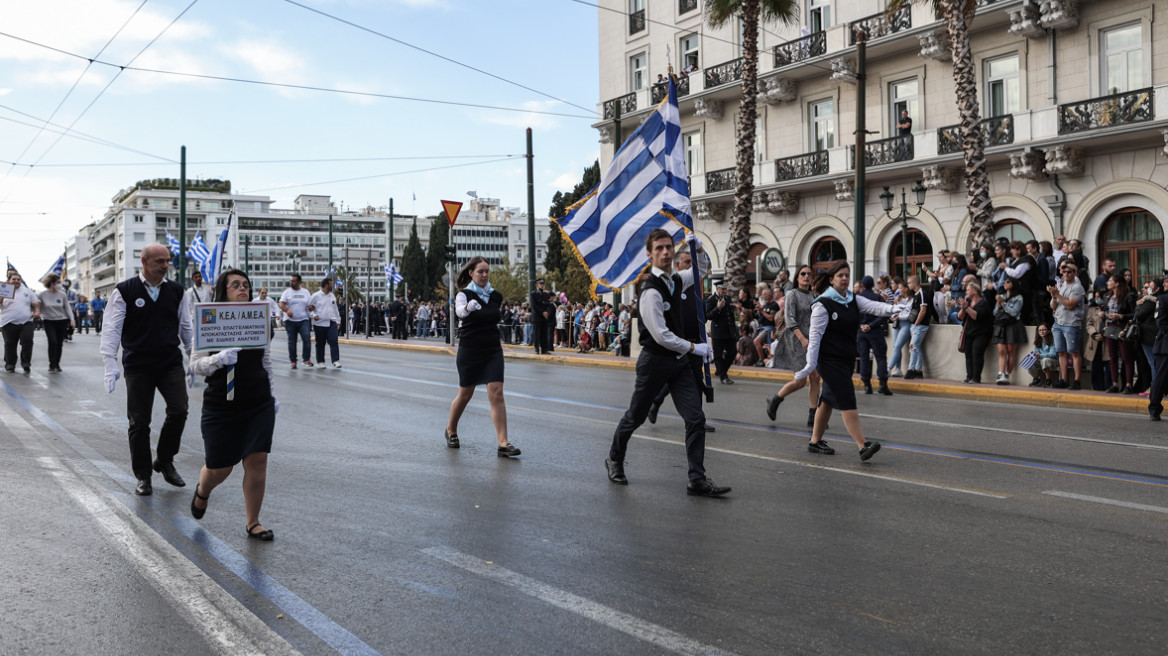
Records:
x=835, y=318
x=239, y=414
x=480, y=351
x=792, y=350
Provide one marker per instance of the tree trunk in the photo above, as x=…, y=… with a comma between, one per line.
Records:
x=977, y=184
x=744, y=192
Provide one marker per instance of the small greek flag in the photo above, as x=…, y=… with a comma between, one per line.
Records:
x=214, y=263
x=172, y=243
x=392, y=277
x=57, y=268
x=199, y=253
x=1029, y=361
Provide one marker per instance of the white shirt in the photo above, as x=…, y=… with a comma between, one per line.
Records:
x=115, y=318
x=202, y=294
x=819, y=324
x=18, y=309
x=276, y=311
x=324, y=308
x=652, y=309
x=204, y=363
x=297, y=302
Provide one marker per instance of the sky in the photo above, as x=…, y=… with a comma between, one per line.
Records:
x=548, y=46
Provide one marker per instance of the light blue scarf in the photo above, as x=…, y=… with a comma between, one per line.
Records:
x=484, y=294
x=834, y=295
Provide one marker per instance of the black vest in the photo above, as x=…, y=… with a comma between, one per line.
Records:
x=252, y=385
x=689, y=315
x=672, y=310
x=839, y=338
x=1028, y=281
x=480, y=329
x=150, y=340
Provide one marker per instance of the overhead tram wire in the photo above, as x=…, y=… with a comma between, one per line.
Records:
x=434, y=54
x=301, y=87
x=370, y=177
x=77, y=135
x=273, y=161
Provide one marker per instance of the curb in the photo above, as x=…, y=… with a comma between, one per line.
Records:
x=983, y=393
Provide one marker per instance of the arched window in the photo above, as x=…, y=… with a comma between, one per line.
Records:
x=920, y=252
x=1013, y=230
x=826, y=252
x=1135, y=240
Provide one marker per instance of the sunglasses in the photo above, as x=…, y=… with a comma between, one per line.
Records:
x=804, y=273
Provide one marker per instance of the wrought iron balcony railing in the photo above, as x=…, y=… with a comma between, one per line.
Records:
x=812, y=45
x=661, y=90
x=801, y=166
x=885, y=151
x=684, y=6
x=725, y=73
x=723, y=180
x=878, y=25
x=996, y=131
x=637, y=21
x=628, y=105
x=1108, y=111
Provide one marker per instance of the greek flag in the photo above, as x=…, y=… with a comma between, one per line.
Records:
x=10, y=267
x=214, y=263
x=172, y=243
x=392, y=277
x=57, y=268
x=644, y=188
x=199, y=253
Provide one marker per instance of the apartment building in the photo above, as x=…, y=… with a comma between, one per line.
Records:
x=1074, y=100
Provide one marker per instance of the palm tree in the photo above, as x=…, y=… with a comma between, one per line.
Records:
x=718, y=14
x=958, y=14
x=351, y=288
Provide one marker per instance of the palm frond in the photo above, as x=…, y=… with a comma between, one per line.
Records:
x=721, y=12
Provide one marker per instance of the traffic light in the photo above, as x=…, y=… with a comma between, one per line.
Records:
x=451, y=254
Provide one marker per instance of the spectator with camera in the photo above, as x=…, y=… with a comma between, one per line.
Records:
x=1067, y=302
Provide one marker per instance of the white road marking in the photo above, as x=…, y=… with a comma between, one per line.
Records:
x=947, y=424
x=610, y=617
x=1110, y=502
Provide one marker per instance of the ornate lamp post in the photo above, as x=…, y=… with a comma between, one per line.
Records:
x=886, y=200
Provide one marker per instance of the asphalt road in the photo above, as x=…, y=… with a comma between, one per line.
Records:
x=979, y=528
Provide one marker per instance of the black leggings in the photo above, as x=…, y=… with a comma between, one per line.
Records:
x=56, y=331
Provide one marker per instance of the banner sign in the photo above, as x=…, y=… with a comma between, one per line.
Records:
x=7, y=290
x=221, y=326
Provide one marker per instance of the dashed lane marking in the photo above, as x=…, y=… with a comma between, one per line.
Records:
x=1109, y=502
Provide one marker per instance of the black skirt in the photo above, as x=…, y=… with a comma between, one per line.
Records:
x=479, y=366
x=231, y=432
x=838, y=390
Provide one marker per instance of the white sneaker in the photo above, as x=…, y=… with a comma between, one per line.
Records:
x=895, y=373
x=337, y=364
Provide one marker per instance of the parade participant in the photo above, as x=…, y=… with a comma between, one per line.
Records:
x=322, y=306
x=82, y=314
x=294, y=303
x=148, y=318
x=480, y=351
x=689, y=320
x=16, y=315
x=199, y=292
x=870, y=339
x=792, y=345
x=71, y=294
x=98, y=306
x=58, y=318
x=541, y=312
x=273, y=311
x=1160, y=351
x=835, y=320
x=720, y=312
x=666, y=359
x=239, y=414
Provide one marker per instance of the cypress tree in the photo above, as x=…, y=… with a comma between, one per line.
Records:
x=436, y=256
x=413, y=268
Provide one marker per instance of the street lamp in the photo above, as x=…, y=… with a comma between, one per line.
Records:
x=294, y=261
x=886, y=200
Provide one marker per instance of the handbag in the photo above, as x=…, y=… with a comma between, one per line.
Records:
x=1131, y=333
x=1004, y=318
x=961, y=340
x=1112, y=332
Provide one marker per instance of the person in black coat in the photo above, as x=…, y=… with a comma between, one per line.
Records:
x=1160, y=352
x=720, y=312
x=870, y=339
x=398, y=317
x=977, y=314
x=542, y=312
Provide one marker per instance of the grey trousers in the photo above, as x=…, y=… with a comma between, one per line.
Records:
x=654, y=372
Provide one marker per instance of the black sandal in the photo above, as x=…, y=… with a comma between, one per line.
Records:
x=451, y=439
x=196, y=511
x=266, y=535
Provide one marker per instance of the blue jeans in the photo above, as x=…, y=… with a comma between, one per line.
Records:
x=1151, y=359
x=300, y=328
x=900, y=337
x=916, y=357
x=527, y=333
x=326, y=334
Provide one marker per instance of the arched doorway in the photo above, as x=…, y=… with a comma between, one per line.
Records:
x=920, y=252
x=826, y=252
x=1135, y=240
x=1012, y=230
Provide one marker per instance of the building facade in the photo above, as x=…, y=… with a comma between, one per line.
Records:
x=1074, y=100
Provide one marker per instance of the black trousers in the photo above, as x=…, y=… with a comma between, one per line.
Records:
x=653, y=373
x=1159, y=385
x=539, y=337
x=97, y=317
x=18, y=333
x=56, y=331
x=140, y=387
x=975, y=351
x=724, y=352
x=873, y=343
x=549, y=337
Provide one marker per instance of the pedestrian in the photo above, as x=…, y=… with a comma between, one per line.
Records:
x=294, y=303
x=148, y=320
x=199, y=291
x=561, y=326
x=273, y=312
x=16, y=322
x=422, y=320
x=666, y=359
x=71, y=295
x=1008, y=329
x=480, y=351
x=322, y=306
x=398, y=317
x=542, y=312
x=82, y=314
x=57, y=316
x=922, y=314
x=870, y=340
x=239, y=414
x=1160, y=352
x=98, y=307
x=1121, y=308
x=835, y=320
x=1094, y=345
x=720, y=312
x=791, y=353
x=901, y=329
x=977, y=313
x=1067, y=297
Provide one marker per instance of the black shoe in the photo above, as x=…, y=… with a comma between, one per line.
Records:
x=1154, y=415
x=966, y=381
x=653, y=413
x=1062, y=384
x=616, y=471
x=1129, y=390
x=710, y=428
x=169, y=473
x=773, y=402
x=867, y=387
x=1076, y=385
x=54, y=370
x=727, y=381
x=820, y=447
x=508, y=451
x=869, y=450
x=451, y=439
x=1037, y=382
x=1046, y=383
x=910, y=374
x=705, y=488
x=1113, y=390
x=10, y=369
x=265, y=535
x=811, y=417
x=144, y=488
x=27, y=369
x=883, y=389
x=197, y=512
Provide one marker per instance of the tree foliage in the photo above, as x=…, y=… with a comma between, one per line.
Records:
x=413, y=268
x=351, y=287
x=436, y=256
x=510, y=280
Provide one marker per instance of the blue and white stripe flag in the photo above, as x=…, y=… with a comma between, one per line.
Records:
x=57, y=268
x=644, y=188
x=172, y=243
x=214, y=263
x=199, y=253
x=392, y=277
x=10, y=267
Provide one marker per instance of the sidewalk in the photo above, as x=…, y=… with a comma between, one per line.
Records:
x=1082, y=400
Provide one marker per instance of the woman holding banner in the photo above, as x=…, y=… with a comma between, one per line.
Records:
x=239, y=414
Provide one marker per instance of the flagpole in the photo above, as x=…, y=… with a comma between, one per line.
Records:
x=182, y=219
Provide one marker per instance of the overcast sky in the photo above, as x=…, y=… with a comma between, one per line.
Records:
x=549, y=46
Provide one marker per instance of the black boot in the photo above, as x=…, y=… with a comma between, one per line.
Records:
x=883, y=389
x=811, y=417
x=867, y=386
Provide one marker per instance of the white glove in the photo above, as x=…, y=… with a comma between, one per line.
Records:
x=277, y=402
x=472, y=306
x=190, y=378
x=111, y=378
x=698, y=243
x=228, y=356
x=709, y=357
x=703, y=351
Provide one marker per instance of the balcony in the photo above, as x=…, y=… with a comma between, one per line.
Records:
x=878, y=25
x=725, y=73
x=791, y=52
x=722, y=180
x=997, y=131
x=662, y=90
x=628, y=105
x=685, y=6
x=637, y=21
x=885, y=151
x=801, y=166
x=1108, y=111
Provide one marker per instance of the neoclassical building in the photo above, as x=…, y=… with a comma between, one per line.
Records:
x=1074, y=97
